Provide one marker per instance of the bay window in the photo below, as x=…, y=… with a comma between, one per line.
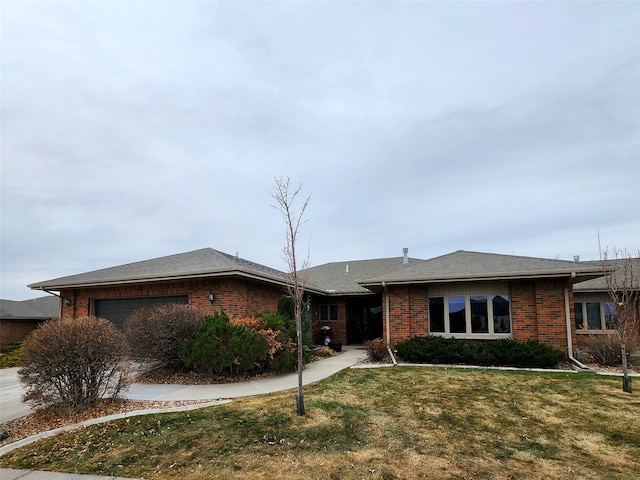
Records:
x=470, y=316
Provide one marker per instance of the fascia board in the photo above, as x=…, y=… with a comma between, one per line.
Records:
x=154, y=278
x=475, y=277
x=134, y=280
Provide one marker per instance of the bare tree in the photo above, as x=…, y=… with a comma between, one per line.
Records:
x=286, y=200
x=623, y=284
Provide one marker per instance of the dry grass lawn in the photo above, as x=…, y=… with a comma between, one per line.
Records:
x=400, y=423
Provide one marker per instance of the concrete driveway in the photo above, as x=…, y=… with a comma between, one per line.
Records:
x=11, y=405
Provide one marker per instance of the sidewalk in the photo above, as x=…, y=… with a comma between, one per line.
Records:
x=313, y=372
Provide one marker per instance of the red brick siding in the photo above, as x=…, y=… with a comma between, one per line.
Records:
x=408, y=312
x=338, y=328
x=524, y=316
x=16, y=330
x=237, y=297
x=537, y=312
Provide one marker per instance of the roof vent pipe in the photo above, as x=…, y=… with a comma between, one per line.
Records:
x=346, y=269
x=405, y=260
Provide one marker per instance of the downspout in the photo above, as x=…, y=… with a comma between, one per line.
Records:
x=567, y=315
x=55, y=295
x=386, y=310
x=386, y=315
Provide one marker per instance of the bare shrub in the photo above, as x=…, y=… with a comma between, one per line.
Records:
x=72, y=363
x=155, y=333
x=605, y=350
x=377, y=350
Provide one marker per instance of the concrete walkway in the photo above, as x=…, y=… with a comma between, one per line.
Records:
x=218, y=394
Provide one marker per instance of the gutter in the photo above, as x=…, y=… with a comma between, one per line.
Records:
x=589, y=273
x=567, y=309
x=134, y=280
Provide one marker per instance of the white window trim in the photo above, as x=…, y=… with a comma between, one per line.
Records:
x=467, y=305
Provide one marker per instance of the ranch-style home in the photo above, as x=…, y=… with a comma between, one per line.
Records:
x=467, y=295
x=19, y=318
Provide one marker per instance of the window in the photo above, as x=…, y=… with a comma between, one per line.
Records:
x=470, y=315
x=328, y=313
x=599, y=316
x=436, y=315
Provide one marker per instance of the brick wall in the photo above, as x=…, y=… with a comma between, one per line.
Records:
x=537, y=312
x=338, y=328
x=16, y=330
x=408, y=312
x=236, y=296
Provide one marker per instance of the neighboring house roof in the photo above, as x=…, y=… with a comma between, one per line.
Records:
x=203, y=263
x=341, y=278
x=472, y=266
x=42, y=308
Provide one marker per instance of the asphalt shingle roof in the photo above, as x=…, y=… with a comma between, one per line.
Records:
x=600, y=284
x=343, y=277
x=198, y=263
x=42, y=308
x=464, y=265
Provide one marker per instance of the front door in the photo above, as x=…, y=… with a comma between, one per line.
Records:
x=364, y=319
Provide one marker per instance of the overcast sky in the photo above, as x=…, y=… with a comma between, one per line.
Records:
x=133, y=130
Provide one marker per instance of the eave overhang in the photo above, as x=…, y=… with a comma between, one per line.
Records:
x=571, y=276
x=193, y=275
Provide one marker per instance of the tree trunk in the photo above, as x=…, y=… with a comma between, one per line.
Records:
x=300, y=397
x=626, y=379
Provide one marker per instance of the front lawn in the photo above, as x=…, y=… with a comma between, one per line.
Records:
x=10, y=354
x=404, y=422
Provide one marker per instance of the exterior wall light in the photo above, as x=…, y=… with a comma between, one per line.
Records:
x=67, y=301
x=211, y=297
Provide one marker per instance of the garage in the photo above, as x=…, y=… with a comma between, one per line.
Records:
x=118, y=309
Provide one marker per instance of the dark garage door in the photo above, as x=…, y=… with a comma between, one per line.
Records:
x=118, y=309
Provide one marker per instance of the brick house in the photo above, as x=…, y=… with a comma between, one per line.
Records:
x=463, y=294
x=19, y=318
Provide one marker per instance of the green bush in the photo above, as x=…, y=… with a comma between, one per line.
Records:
x=222, y=348
x=286, y=358
x=439, y=350
x=10, y=354
x=286, y=308
x=72, y=363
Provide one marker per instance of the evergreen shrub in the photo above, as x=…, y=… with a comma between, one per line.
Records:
x=222, y=348
x=439, y=350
